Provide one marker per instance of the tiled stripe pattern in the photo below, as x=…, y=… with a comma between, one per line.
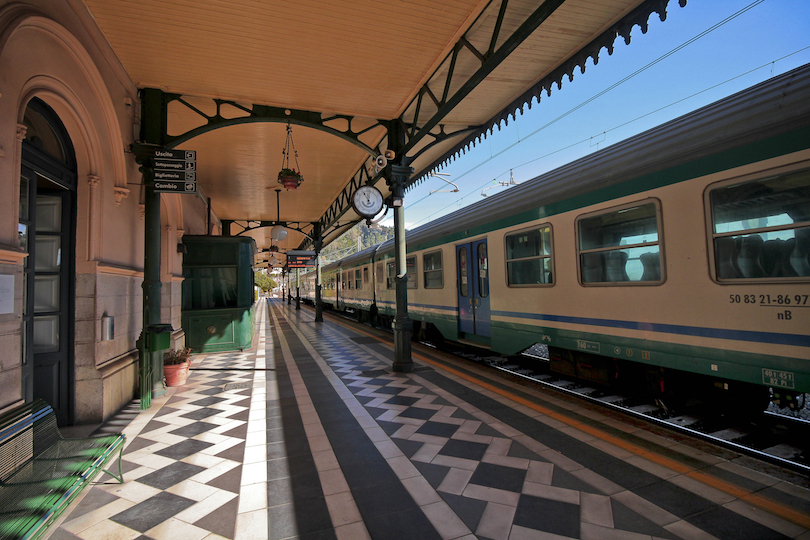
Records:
x=503, y=489
x=322, y=441
x=183, y=469
x=372, y=479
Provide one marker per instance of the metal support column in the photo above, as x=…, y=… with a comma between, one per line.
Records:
x=297, y=289
x=151, y=364
x=397, y=179
x=316, y=233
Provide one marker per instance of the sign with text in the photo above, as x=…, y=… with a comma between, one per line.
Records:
x=176, y=176
x=175, y=171
x=300, y=259
x=175, y=187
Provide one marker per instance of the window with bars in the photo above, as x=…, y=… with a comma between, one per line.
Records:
x=760, y=229
x=529, y=257
x=432, y=270
x=621, y=246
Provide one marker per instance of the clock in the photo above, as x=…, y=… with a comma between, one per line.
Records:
x=367, y=201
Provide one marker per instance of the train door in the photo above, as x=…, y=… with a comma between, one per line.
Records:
x=472, y=268
x=340, y=285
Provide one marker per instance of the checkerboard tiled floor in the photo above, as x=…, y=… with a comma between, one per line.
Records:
x=312, y=436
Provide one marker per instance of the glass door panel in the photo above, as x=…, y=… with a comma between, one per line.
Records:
x=466, y=320
x=482, y=309
x=472, y=263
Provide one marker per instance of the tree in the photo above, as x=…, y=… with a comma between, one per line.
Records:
x=263, y=281
x=356, y=239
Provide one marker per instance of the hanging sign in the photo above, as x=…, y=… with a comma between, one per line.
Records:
x=175, y=171
x=300, y=259
x=175, y=187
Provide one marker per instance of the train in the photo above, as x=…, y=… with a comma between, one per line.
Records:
x=676, y=261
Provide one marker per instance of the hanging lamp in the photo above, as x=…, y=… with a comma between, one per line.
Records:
x=290, y=177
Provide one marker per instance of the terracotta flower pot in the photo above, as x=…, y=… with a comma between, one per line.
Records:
x=176, y=374
x=289, y=182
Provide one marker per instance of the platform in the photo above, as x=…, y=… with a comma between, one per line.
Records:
x=310, y=435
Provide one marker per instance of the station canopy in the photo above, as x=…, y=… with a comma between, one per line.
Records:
x=350, y=77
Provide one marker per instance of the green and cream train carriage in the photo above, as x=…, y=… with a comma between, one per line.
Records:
x=678, y=257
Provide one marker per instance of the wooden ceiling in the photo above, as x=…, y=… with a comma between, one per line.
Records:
x=367, y=59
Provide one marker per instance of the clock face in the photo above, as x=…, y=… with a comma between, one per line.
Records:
x=367, y=201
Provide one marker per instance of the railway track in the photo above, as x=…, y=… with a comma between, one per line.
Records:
x=773, y=437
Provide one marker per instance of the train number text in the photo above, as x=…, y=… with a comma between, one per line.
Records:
x=770, y=299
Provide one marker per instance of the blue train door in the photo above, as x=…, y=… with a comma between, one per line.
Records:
x=472, y=268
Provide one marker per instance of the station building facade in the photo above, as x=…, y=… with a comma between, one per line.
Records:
x=71, y=218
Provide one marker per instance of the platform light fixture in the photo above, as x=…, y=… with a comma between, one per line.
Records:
x=278, y=232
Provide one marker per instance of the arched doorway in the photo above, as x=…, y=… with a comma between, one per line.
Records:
x=47, y=231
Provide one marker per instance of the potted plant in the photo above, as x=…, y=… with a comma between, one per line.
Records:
x=175, y=366
x=290, y=178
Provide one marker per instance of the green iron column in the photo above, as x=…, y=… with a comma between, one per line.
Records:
x=151, y=280
x=150, y=370
x=154, y=119
x=297, y=289
x=397, y=177
x=318, y=241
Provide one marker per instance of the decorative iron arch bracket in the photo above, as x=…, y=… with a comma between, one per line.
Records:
x=155, y=120
x=251, y=225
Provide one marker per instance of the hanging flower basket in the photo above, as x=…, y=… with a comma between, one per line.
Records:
x=290, y=178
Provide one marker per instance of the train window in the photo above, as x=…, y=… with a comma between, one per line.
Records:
x=378, y=276
x=432, y=269
x=761, y=228
x=528, y=257
x=365, y=274
x=621, y=246
x=358, y=280
x=390, y=276
x=410, y=272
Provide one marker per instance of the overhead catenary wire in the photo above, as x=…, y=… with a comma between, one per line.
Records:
x=587, y=139
x=596, y=96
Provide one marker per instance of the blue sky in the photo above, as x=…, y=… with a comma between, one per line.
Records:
x=768, y=38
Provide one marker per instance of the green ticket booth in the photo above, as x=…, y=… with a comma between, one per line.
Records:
x=218, y=297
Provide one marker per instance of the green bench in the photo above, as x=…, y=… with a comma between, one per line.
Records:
x=41, y=472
